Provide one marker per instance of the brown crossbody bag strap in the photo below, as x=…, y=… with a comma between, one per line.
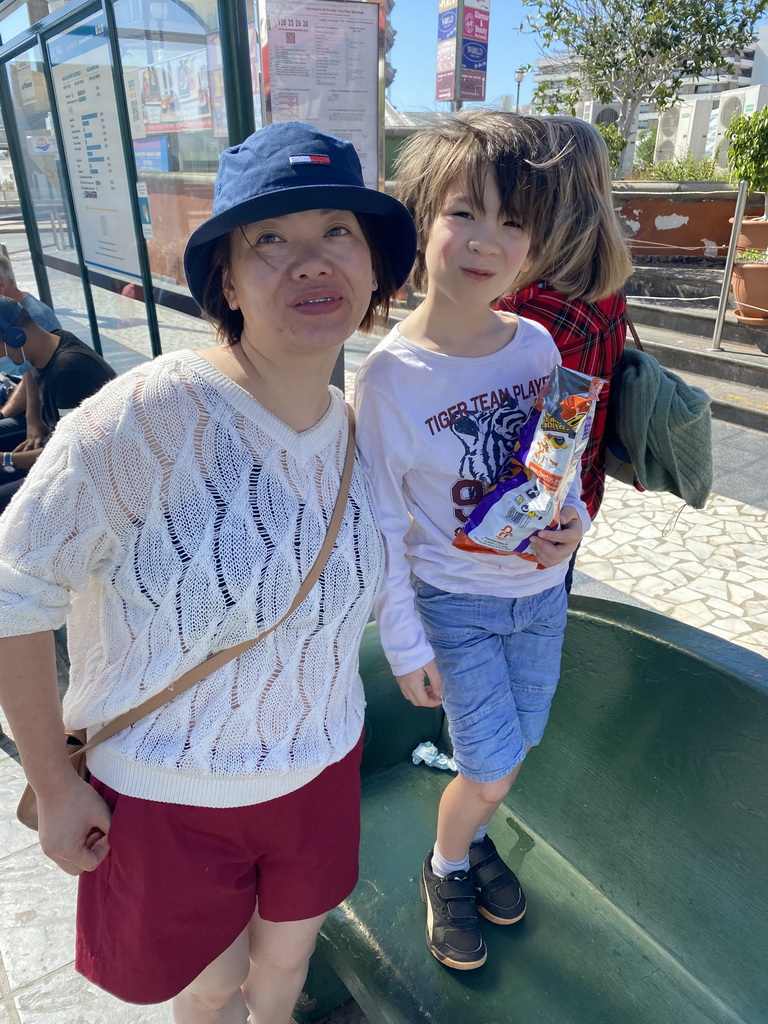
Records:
x=217, y=661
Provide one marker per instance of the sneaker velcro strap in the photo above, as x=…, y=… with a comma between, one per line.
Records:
x=492, y=869
x=452, y=889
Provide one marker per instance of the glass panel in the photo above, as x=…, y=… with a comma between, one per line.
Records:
x=81, y=68
x=42, y=172
x=18, y=16
x=171, y=58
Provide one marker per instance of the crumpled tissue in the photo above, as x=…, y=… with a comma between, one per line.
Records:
x=429, y=754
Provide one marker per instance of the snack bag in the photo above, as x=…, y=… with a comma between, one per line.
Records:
x=530, y=492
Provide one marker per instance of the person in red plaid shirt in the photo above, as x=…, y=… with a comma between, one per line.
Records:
x=576, y=291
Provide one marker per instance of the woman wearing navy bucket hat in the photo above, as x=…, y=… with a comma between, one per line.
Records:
x=175, y=518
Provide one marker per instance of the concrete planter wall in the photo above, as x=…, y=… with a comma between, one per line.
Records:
x=679, y=218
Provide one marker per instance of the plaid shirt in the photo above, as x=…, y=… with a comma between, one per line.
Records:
x=590, y=338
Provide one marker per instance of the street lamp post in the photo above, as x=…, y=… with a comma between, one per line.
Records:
x=519, y=76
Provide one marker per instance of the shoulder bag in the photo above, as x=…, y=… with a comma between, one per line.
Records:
x=78, y=744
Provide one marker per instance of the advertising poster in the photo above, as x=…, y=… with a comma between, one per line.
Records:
x=475, y=25
x=42, y=145
x=474, y=56
x=151, y=153
x=446, y=56
x=216, y=85
x=473, y=85
x=447, y=23
x=175, y=94
x=133, y=98
x=82, y=77
x=447, y=37
x=462, y=36
x=320, y=63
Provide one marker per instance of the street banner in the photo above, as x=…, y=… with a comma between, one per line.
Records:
x=462, y=50
x=476, y=25
x=447, y=24
x=474, y=56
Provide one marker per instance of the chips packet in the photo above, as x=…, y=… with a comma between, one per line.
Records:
x=529, y=494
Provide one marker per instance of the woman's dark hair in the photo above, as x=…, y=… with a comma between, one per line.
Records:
x=228, y=323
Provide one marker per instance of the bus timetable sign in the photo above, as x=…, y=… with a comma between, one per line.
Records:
x=462, y=46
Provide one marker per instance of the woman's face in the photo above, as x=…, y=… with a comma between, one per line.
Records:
x=303, y=281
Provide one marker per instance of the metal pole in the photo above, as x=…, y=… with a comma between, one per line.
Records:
x=236, y=71
x=738, y=216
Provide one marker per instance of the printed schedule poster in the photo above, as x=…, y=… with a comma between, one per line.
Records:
x=82, y=76
x=321, y=65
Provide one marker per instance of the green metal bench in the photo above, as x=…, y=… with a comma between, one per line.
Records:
x=639, y=830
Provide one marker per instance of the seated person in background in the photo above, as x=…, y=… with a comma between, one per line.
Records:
x=21, y=424
x=66, y=371
x=40, y=313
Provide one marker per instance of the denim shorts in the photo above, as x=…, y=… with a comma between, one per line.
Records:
x=499, y=659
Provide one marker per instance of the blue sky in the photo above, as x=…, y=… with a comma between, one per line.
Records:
x=415, y=50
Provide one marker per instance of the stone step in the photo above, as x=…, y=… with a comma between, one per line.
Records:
x=734, y=362
x=698, y=322
x=734, y=403
x=702, y=283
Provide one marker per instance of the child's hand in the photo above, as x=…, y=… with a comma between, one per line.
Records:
x=554, y=546
x=414, y=690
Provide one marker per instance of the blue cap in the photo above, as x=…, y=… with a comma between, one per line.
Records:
x=289, y=167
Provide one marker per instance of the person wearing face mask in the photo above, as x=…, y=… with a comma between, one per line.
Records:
x=21, y=424
x=65, y=370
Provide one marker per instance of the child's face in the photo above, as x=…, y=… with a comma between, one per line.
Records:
x=472, y=257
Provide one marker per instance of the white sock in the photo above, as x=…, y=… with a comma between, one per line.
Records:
x=480, y=835
x=442, y=867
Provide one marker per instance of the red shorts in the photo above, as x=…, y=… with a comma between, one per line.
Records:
x=181, y=883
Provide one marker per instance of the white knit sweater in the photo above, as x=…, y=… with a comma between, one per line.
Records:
x=172, y=516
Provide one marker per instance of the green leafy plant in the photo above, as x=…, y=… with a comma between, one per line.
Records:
x=747, y=136
x=645, y=148
x=636, y=51
x=684, y=168
x=614, y=143
x=752, y=256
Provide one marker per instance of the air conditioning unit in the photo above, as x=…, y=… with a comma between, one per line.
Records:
x=694, y=125
x=666, y=135
x=683, y=129
x=737, y=101
x=601, y=113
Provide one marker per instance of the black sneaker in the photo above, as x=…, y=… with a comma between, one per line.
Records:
x=452, y=933
x=498, y=893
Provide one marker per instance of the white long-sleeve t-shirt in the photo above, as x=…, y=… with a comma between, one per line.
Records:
x=434, y=431
x=172, y=516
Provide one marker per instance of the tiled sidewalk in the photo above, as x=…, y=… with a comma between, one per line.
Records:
x=708, y=568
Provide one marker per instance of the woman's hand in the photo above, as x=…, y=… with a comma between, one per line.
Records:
x=414, y=689
x=554, y=546
x=74, y=825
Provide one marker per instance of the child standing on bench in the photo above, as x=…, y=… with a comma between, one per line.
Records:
x=440, y=402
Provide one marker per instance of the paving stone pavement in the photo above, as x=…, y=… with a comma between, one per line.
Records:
x=708, y=568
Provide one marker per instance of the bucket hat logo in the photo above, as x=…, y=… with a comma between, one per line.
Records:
x=290, y=167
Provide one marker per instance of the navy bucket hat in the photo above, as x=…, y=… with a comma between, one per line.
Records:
x=287, y=168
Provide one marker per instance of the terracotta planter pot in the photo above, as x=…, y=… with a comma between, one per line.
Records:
x=750, y=289
x=753, y=235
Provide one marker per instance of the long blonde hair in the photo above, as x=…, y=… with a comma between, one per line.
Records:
x=585, y=255
x=462, y=149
